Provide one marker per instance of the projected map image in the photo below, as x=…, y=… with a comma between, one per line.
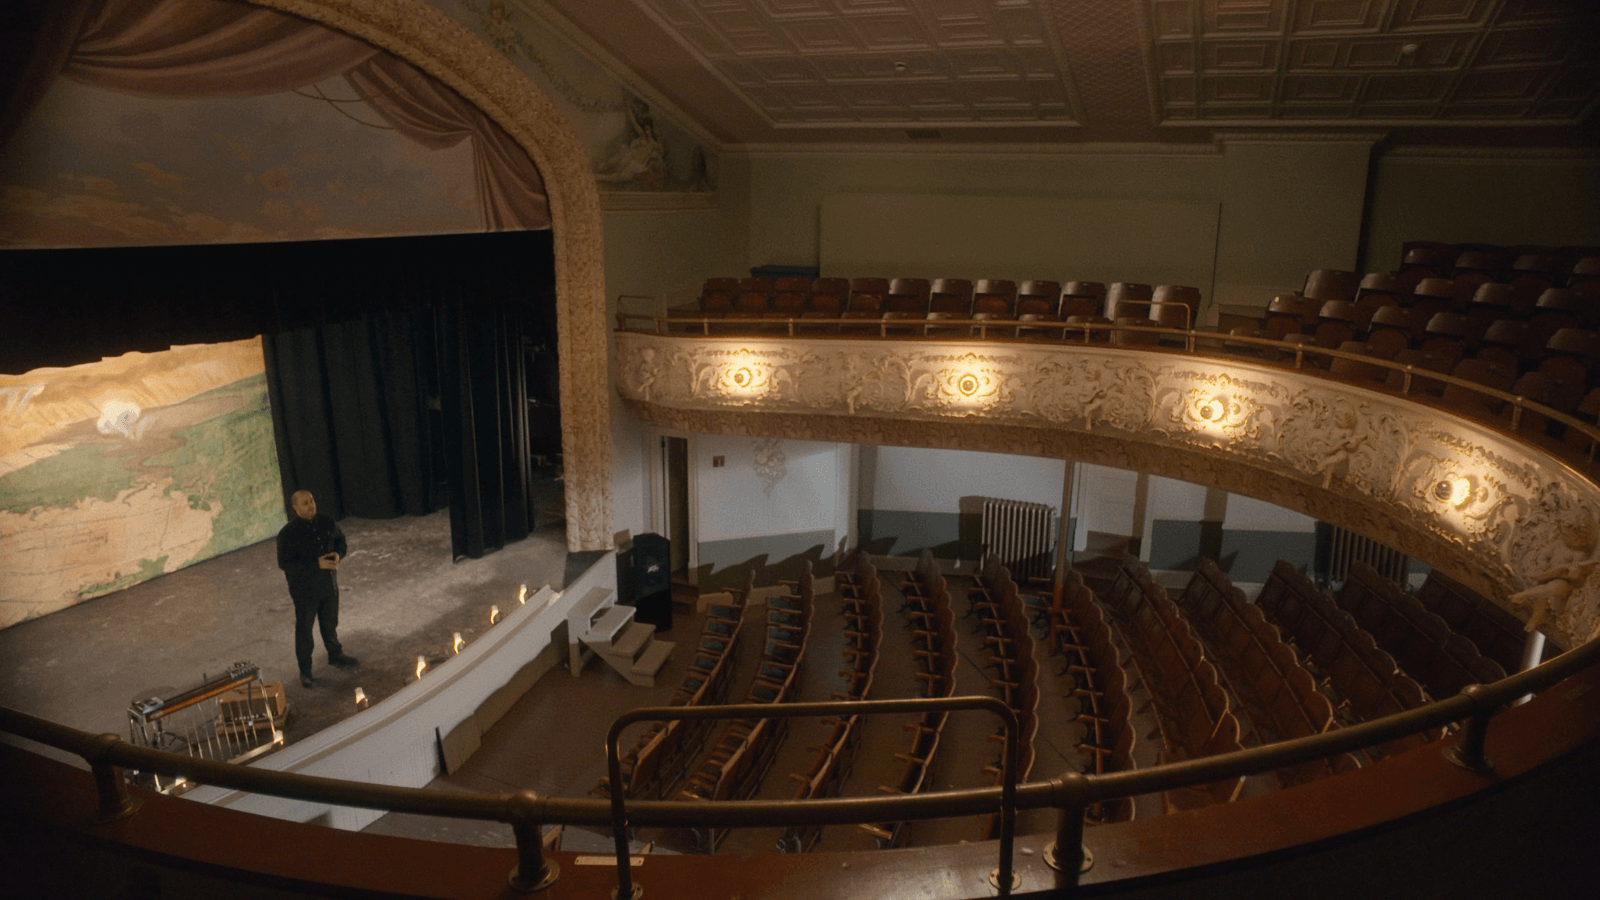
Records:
x=112, y=473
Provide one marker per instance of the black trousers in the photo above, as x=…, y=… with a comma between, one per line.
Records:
x=321, y=607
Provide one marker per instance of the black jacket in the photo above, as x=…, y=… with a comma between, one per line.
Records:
x=300, y=544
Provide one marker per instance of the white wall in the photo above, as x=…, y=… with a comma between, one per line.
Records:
x=733, y=503
x=1105, y=502
x=1086, y=238
x=1248, y=514
x=915, y=479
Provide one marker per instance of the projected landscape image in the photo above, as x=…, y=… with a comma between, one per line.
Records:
x=112, y=473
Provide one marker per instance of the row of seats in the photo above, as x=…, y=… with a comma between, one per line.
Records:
x=1555, y=264
x=1195, y=715
x=904, y=301
x=1498, y=634
x=933, y=626
x=743, y=753
x=1077, y=630
x=657, y=761
x=1344, y=652
x=1009, y=645
x=861, y=602
x=1279, y=693
x=1422, y=643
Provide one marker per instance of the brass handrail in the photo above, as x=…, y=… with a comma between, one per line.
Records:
x=1008, y=791
x=1069, y=794
x=1192, y=338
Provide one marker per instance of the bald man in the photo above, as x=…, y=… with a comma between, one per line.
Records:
x=309, y=550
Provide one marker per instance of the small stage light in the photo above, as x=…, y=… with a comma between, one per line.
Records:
x=361, y=699
x=494, y=614
x=456, y=643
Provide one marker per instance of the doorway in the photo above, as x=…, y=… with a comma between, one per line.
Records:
x=675, y=503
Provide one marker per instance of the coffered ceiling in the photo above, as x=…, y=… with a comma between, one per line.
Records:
x=792, y=72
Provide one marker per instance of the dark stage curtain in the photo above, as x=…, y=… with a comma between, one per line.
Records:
x=397, y=368
x=350, y=413
x=485, y=410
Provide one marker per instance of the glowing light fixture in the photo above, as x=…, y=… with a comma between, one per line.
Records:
x=456, y=643
x=522, y=595
x=422, y=666
x=494, y=614
x=1456, y=491
x=361, y=699
x=1213, y=410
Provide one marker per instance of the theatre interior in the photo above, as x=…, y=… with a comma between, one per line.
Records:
x=802, y=448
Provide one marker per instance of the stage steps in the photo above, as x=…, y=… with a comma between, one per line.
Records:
x=598, y=626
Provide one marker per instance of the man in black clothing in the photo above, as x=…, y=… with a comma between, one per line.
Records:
x=309, y=550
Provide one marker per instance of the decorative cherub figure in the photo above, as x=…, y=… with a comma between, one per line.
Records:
x=1552, y=589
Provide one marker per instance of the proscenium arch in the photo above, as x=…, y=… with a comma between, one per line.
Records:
x=438, y=45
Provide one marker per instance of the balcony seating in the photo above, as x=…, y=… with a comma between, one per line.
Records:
x=1363, y=678
x=1191, y=707
x=1127, y=298
x=1421, y=642
x=1263, y=672
x=1331, y=284
x=1496, y=633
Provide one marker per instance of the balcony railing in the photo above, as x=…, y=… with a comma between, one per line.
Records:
x=1146, y=338
x=526, y=812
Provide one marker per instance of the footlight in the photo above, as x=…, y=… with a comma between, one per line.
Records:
x=494, y=614
x=456, y=643
x=361, y=699
x=422, y=666
x=522, y=595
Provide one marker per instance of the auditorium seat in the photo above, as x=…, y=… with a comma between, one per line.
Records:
x=1127, y=298
x=1331, y=284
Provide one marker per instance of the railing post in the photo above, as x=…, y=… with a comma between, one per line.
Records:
x=532, y=872
x=1067, y=855
x=115, y=801
x=1468, y=749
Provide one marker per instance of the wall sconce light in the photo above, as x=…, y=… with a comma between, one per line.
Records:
x=1213, y=410
x=494, y=614
x=422, y=666
x=1454, y=491
x=456, y=643
x=522, y=596
x=361, y=699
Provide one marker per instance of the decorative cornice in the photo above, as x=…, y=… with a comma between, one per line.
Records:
x=656, y=201
x=1473, y=502
x=1489, y=155
x=438, y=45
x=968, y=150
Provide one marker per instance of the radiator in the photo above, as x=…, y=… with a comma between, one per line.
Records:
x=1345, y=547
x=1022, y=534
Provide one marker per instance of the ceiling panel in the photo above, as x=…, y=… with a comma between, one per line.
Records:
x=773, y=71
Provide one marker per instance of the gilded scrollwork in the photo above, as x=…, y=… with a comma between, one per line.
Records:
x=1501, y=511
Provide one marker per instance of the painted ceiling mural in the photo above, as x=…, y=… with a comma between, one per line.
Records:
x=632, y=146
x=95, y=167
x=92, y=167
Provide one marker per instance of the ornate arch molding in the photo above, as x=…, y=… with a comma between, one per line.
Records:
x=424, y=37
x=1485, y=508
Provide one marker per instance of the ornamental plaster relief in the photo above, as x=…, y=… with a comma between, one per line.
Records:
x=1489, y=510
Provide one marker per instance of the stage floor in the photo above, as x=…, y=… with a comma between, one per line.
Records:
x=400, y=597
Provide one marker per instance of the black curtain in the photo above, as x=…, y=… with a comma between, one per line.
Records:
x=350, y=412
x=484, y=401
x=397, y=368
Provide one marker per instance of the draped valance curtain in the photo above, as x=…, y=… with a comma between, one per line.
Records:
x=222, y=48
